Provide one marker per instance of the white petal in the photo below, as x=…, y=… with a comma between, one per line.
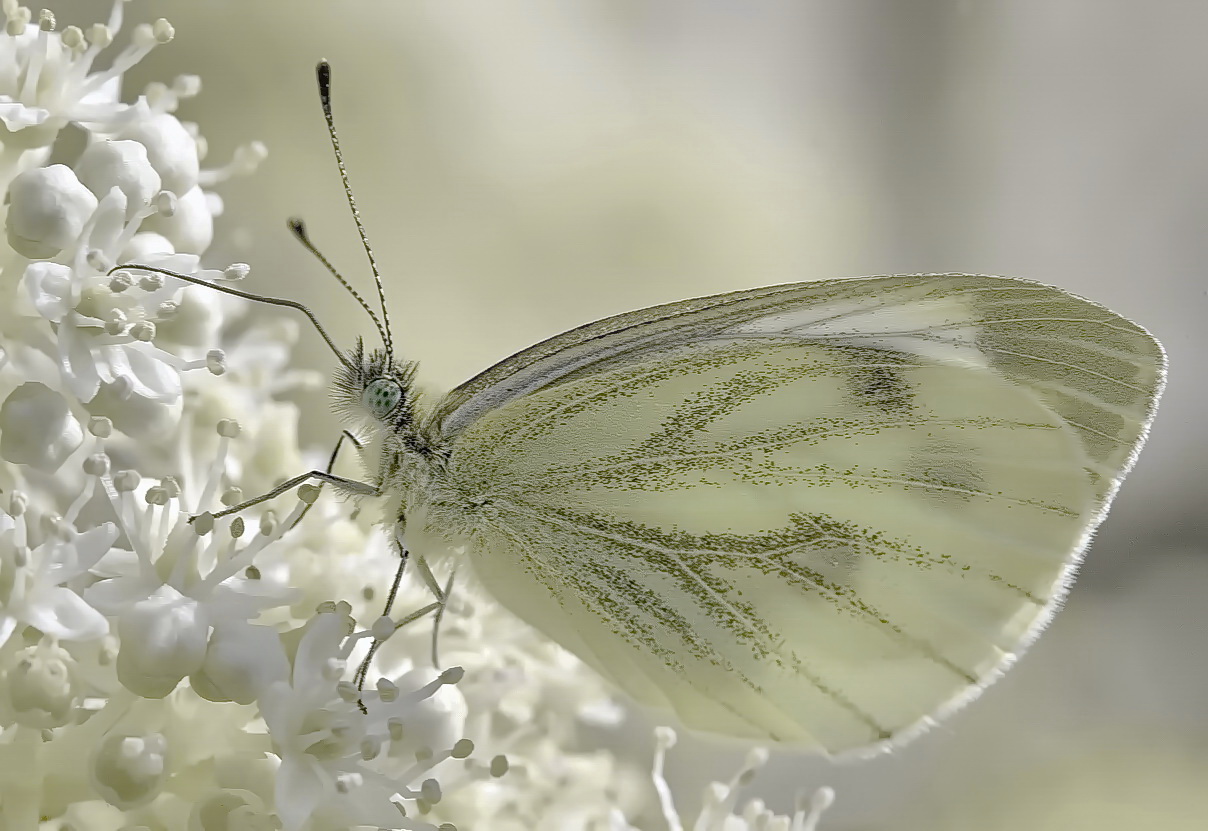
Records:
x=114, y=595
x=110, y=222
x=150, y=377
x=86, y=549
x=64, y=614
x=319, y=643
x=7, y=624
x=18, y=116
x=76, y=360
x=50, y=287
x=300, y=787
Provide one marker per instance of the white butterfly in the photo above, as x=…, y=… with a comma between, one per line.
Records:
x=821, y=514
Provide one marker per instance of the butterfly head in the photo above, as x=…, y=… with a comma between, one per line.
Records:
x=373, y=390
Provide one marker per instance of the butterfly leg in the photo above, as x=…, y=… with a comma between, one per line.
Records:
x=442, y=597
x=363, y=669
x=438, y=607
x=350, y=485
x=331, y=463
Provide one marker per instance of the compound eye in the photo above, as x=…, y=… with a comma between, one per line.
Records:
x=381, y=397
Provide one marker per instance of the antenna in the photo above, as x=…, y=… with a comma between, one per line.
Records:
x=323, y=74
x=298, y=228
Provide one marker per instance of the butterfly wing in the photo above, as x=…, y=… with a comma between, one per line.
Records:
x=817, y=514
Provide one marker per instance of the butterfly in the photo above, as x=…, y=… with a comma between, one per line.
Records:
x=821, y=514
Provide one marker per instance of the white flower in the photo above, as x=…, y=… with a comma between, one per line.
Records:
x=321, y=738
x=31, y=579
x=94, y=321
x=45, y=81
x=37, y=428
x=175, y=585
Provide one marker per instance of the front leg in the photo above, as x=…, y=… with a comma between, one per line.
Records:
x=349, y=485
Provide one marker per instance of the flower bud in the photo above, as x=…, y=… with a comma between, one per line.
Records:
x=189, y=224
x=231, y=809
x=146, y=246
x=241, y=661
x=170, y=149
x=129, y=770
x=163, y=639
x=106, y=164
x=37, y=428
x=39, y=685
x=47, y=211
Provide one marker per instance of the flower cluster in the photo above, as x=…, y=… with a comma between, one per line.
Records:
x=161, y=670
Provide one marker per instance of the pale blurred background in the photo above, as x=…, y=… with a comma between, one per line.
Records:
x=528, y=166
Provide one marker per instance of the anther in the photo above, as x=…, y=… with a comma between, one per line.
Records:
x=151, y=282
x=216, y=362
x=143, y=330
x=126, y=480
x=236, y=271
x=119, y=281
x=203, y=523
x=96, y=465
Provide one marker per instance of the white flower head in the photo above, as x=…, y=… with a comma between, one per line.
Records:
x=32, y=590
x=164, y=668
x=45, y=77
x=329, y=736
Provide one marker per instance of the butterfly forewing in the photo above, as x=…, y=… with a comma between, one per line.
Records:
x=816, y=514
x=1100, y=372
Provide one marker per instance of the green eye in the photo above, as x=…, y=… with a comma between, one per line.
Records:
x=381, y=397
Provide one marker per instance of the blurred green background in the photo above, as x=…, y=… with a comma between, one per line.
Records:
x=525, y=167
